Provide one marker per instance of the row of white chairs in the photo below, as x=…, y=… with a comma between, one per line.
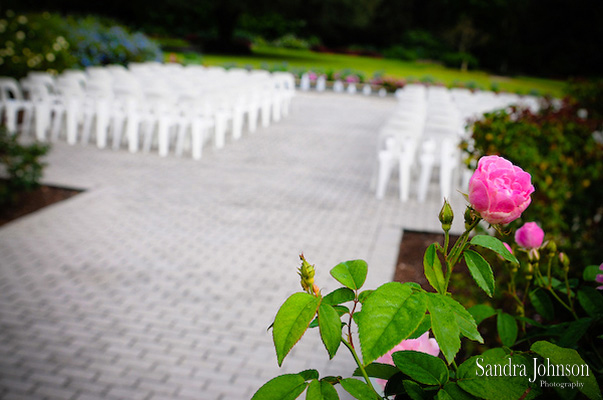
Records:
x=424, y=133
x=157, y=104
x=305, y=83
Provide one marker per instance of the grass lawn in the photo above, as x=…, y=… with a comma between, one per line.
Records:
x=368, y=65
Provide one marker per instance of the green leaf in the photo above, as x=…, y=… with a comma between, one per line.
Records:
x=590, y=273
x=446, y=329
x=480, y=271
x=284, y=387
x=492, y=243
x=454, y=392
x=291, y=322
x=542, y=303
x=507, y=328
x=358, y=389
x=341, y=310
x=395, y=384
x=329, y=324
x=415, y=391
x=574, y=332
x=421, y=367
x=321, y=390
x=389, y=315
x=486, y=377
x=422, y=328
x=309, y=374
x=333, y=380
x=339, y=296
x=378, y=370
x=480, y=312
x=364, y=294
x=591, y=300
x=351, y=274
x=433, y=269
x=561, y=356
x=465, y=321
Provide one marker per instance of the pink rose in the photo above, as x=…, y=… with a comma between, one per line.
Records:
x=529, y=236
x=599, y=278
x=423, y=344
x=499, y=190
x=312, y=76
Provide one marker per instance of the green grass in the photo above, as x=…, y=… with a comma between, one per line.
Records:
x=394, y=68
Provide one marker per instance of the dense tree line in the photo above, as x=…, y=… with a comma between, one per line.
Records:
x=555, y=38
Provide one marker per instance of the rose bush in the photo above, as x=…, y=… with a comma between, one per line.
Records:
x=394, y=321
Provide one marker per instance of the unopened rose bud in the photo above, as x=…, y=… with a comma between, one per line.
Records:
x=551, y=247
x=564, y=260
x=529, y=236
x=446, y=216
x=533, y=255
x=306, y=272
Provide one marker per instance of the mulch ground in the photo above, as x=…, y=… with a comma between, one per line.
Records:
x=32, y=201
x=409, y=267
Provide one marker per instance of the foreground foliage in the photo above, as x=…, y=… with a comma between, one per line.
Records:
x=396, y=312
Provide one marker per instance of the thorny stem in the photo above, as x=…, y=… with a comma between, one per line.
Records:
x=360, y=366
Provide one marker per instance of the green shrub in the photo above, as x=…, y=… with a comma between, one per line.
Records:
x=563, y=155
x=456, y=60
x=400, y=53
x=21, y=164
x=290, y=41
x=34, y=42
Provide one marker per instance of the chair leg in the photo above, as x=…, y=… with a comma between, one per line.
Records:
x=71, y=123
x=237, y=123
x=197, y=137
x=404, y=176
x=220, y=130
x=252, y=117
x=163, y=135
x=426, y=167
x=102, y=125
x=132, y=126
x=266, y=114
x=386, y=163
x=118, y=128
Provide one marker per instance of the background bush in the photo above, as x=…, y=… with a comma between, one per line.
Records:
x=563, y=153
x=21, y=165
x=49, y=42
x=34, y=42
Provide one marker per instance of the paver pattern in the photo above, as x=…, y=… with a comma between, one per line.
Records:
x=161, y=279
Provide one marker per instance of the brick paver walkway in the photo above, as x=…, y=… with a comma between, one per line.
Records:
x=160, y=280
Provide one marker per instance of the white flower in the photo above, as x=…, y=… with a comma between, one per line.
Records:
x=20, y=35
x=22, y=19
x=50, y=57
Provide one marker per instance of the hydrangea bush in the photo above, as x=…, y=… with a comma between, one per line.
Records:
x=387, y=330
